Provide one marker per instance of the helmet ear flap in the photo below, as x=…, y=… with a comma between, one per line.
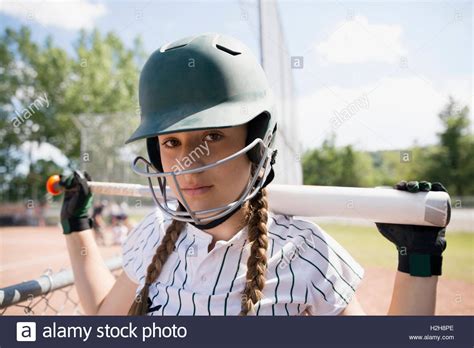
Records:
x=256, y=129
x=153, y=150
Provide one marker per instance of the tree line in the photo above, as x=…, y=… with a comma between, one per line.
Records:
x=449, y=161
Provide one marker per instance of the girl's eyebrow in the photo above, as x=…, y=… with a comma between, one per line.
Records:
x=201, y=132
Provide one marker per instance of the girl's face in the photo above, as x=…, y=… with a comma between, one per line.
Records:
x=214, y=187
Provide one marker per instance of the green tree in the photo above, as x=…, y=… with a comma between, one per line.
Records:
x=334, y=166
x=390, y=166
x=452, y=163
x=100, y=77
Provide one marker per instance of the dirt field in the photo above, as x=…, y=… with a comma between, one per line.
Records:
x=25, y=253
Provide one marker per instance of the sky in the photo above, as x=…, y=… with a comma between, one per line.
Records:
x=375, y=73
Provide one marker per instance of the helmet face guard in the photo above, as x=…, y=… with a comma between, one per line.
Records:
x=257, y=181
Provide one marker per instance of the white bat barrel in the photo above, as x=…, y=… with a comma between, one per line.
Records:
x=373, y=204
x=119, y=189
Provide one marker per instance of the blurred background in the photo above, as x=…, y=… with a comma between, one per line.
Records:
x=368, y=94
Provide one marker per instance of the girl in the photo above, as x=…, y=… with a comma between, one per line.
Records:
x=208, y=119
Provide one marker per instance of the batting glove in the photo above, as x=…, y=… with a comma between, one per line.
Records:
x=77, y=202
x=419, y=247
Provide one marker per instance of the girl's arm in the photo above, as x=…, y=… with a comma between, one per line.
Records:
x=411, y=296
x=98, y=291
x=92, y=278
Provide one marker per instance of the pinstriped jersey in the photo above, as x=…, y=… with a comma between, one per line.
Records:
x=307, y=269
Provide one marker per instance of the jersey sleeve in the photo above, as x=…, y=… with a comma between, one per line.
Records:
x=136, y=245
x=332, y=273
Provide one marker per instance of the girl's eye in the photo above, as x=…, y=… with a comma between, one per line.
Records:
x=213, y=137
x=171, y=143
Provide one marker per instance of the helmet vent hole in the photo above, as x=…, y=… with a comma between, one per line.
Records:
x=175, y=47
x=225, y=49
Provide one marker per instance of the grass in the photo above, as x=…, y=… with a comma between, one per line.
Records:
x=371, y=249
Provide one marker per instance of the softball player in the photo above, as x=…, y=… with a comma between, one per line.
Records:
x=208, y=118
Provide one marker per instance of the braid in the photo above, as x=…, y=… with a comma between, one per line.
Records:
x=140, y=304
x=257, y=217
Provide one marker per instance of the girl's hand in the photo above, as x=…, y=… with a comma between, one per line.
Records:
x=77, y=202
x=419, y=247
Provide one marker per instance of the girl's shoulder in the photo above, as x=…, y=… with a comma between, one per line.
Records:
x=141, y=242
x=154, y=221
x=311, y=242
x=285, y=227
x=331, y=274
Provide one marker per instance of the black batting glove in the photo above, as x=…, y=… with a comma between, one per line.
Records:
x=77, y=202
x=419, y=248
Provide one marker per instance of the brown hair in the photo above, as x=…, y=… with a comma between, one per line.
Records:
x=256, y=216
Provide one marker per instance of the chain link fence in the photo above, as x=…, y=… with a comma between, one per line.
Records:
x=50, y=294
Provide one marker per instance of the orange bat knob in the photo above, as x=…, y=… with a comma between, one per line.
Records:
x=52, y=185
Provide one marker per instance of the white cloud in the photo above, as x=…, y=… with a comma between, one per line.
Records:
x=45, y=152
x=400, y=111
x=65, y=14
x=357, y=41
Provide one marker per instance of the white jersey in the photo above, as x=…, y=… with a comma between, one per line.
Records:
x=307, y=269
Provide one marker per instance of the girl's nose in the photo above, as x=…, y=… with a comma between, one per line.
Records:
x=191, y=157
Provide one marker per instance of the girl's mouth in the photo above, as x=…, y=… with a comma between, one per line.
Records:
x=197, y=191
